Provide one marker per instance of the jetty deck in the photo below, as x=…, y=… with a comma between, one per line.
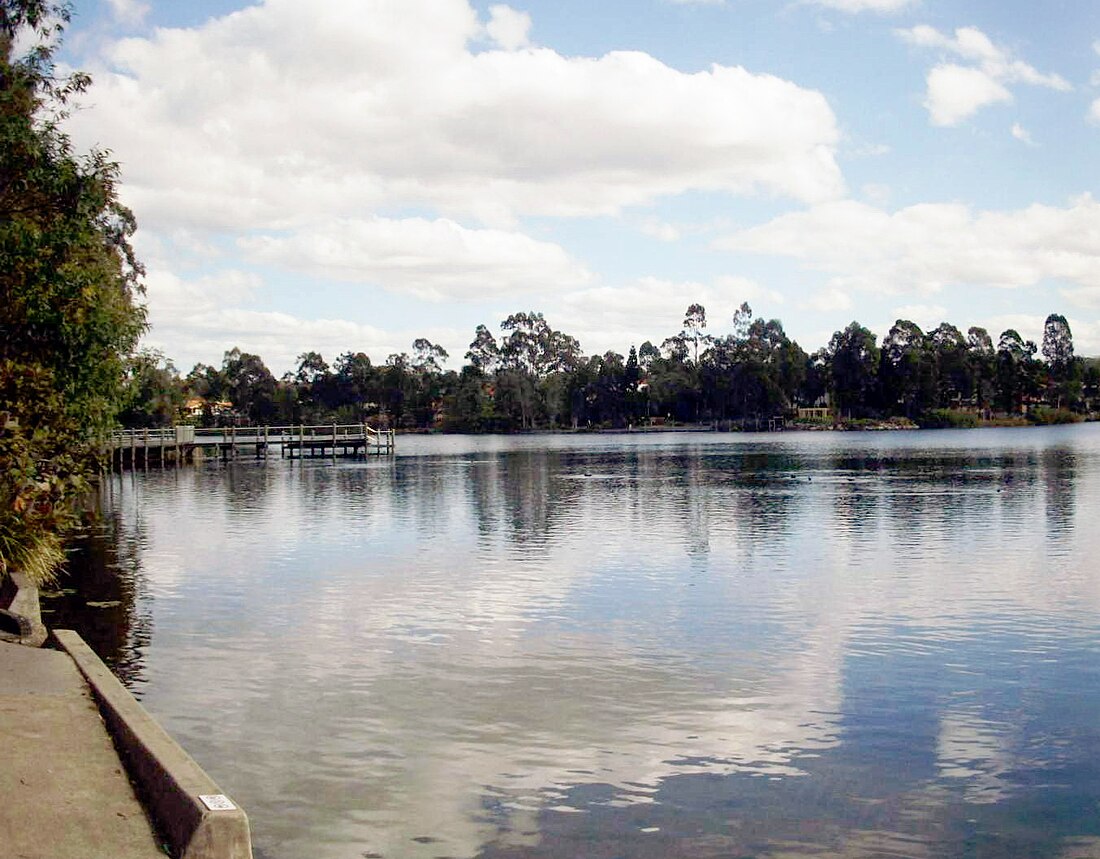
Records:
x=173, y=445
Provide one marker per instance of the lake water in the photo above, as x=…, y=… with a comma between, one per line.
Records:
x=704, y=645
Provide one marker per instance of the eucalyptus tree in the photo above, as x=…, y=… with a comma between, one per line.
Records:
x=315, y=391
x=906, y=370
x=605, y=393
x=484, y=353
x=68, y=282
x=983, y=365
x=250, y=385
x=1016, y=371
x=467, y=405
x=357, y=384
x=954, y=378
x=1065, y=378
x=430, y=380
x=852, y=358
x=647, y=354
x=397, y=387
x=530, y=354
x=632, y=377
x=153, y=391
x=695, y=321
x=754, y=372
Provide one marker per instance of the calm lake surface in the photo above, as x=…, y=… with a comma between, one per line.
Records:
x=689, y=645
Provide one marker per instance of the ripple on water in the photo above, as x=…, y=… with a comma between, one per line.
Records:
x=706, y=646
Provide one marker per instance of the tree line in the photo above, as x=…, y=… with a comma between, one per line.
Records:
x=533, y=376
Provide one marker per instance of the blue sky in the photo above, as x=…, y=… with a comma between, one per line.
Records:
x=354, y=174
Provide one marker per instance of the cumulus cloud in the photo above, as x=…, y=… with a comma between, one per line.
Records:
x=829, y=300
x=877, y=193
x=197, y=319
x=854, y=6
x=652, y=308
x=660, y=230
x=431, y=259
x=954, y=91
x=1022, y=134
x=508, y=28
x=360, y=105
x=925, y=248
x=927, y=316
x=129, y=12
x=1094, y=112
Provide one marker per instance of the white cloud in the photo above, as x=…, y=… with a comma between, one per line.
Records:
x=1086, y=334
x=198, y=319
x=829, y=300
x=508, y=28
x=927, y=316
x=430, y=259
x=1022, y=134
x=955, y=91
x=925, y=248
x=876, y=193
x=130, y=12
x=660, y=230
x=870, y=150
x=612, y=317
x=283, y=117
x=1094, y=112
x=854, y=6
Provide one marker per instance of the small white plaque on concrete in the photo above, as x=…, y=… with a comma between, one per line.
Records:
x=218, y=802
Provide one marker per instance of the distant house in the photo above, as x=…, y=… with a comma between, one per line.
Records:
x=198, y=406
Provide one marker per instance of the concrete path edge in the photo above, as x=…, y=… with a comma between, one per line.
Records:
x=168, y=780
x=24, y=610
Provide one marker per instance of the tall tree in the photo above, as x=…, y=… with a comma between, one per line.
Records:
x=484, y=354
x=953, y=369
x=152, y=393
x=853, y=360
x=1064, y=386
x=250, y=385
x=1015, y=370
x=357, y=384
x=906, y=370
x=68, y=278
x=695, y=322
x=983, y=365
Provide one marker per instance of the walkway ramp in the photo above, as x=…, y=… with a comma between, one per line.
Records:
x=63, y=791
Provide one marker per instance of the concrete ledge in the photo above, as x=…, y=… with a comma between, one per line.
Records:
x=169, y=781
x=22, y=621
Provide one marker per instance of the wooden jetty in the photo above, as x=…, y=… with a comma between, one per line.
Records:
x=143, y=447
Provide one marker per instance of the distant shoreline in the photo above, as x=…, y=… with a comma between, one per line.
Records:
x=894, y=425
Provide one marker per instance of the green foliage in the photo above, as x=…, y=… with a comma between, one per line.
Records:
x=1047, y=415
x=947, y=419
x=853, y=359
x=68, y=279
x=40, y=470
x=152, y=393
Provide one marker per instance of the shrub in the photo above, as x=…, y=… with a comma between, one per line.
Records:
x=1047, y=415
x=947, y=419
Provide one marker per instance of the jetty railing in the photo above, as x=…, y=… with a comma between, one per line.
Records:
x=179, y=442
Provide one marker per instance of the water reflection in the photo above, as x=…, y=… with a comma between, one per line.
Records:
x=707, y=646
